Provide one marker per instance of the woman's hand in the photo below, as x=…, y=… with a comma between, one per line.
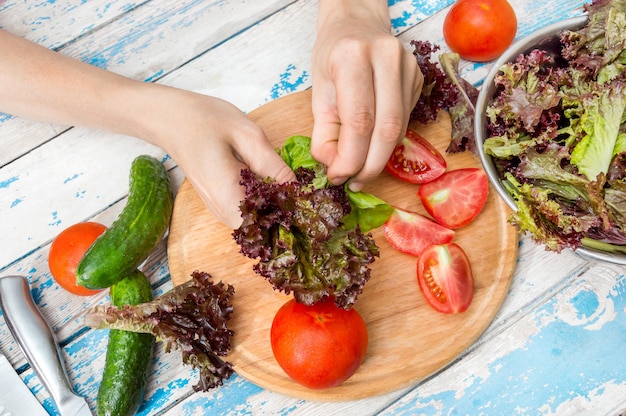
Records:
x=212, y=140
x=365, y=85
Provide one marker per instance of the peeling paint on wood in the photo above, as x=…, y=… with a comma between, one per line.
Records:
x=555, y=348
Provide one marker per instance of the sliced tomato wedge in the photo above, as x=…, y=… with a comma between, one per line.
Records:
x=411, y=232
x=415, y=160
x=455, y=198
x=445, y=278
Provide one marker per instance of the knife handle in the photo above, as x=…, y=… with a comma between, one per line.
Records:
x=36, y=340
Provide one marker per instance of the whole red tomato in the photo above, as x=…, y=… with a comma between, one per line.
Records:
x=318, y=346
x=480, y=30
x=67, y=250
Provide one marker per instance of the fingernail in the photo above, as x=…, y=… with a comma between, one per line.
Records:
x=355, y=186
x=339, y=181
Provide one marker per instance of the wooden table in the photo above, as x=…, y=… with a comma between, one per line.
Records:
x=555, y=347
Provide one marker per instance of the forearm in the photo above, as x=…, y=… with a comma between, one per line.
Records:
x=46, y=86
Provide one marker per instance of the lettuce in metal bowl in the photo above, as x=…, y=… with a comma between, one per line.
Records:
x=551, y=135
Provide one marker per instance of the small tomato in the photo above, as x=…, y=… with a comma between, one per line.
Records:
x=480, y=30
x=67, y=250
x=318, y=346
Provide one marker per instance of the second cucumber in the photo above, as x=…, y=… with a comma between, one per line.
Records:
x=129, y=354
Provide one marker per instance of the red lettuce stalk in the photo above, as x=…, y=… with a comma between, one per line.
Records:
x=445, y=89
x=191, y=317
x=438, y=92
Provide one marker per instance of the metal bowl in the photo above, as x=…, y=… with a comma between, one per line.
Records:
x=546, y=38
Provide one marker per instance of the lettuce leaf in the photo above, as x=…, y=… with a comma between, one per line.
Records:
x=308, y=235
x=557, y=134
x=367, y=211
x=600, y=122
x=192, y=317
x=438, y=92
x=463, y=110
x=296, y=233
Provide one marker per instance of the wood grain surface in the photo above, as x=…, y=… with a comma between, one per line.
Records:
x=408, y=340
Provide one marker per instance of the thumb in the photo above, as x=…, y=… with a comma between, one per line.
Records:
x=264, y=161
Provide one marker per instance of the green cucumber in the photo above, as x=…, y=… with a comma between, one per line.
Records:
x=136, y=232
x=129, y=354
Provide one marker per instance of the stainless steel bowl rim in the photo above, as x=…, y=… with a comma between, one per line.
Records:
x=524, y=45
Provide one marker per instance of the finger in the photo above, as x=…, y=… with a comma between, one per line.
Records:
x=356, y=108
x=252, y=150
x=224, y=200
x=394, y=78
x=259, y=155
x=413, y=78
x=325, y=123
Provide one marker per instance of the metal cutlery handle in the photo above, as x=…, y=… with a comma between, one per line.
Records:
x=37, y=341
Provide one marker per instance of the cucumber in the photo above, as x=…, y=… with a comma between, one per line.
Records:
x=129, y=354
x=135, y=233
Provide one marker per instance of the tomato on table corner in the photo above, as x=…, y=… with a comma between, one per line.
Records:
x=445, y=278
x=67, y=250
x=318, y=346
x=480, y=30
x=415, y=160
x=457, y=197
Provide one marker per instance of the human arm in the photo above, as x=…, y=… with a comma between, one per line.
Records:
x=208, y=137
x=365, y=85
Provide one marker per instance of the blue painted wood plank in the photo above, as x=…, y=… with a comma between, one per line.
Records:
x=562, y=359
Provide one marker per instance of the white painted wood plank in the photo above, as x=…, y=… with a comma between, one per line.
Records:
x=292, y=73
x=146, y=42
x=60, y=183
x=56, y=23
x=68, y=158
x=539, y=282
x=62, y=310
x=96, y=363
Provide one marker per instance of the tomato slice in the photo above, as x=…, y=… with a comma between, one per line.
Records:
x=445, y=278
x=411, y=232
x=456, y=197
x=415, y=160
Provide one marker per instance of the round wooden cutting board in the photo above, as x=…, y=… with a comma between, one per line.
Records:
x=408, y=339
